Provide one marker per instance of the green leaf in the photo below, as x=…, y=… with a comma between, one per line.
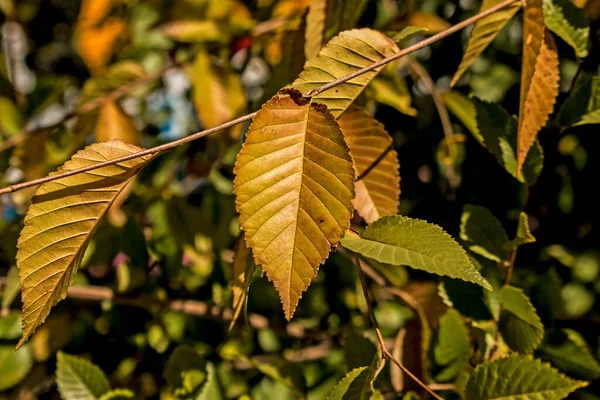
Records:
x=118, y=394
x=467, y=299
x=60, y=222
x=344, y=15
x=11, y=287
x=484, y=31
x=583, y=105
x=400, y=240
x=243, y=269
x=483, y=231
x=519, y=378
x=568, y=21
x=358, y=350
x=360, y=385
x=11, y=122
x=79, y=379
x=519, y=324
x=211, y=389
x=184, y=370
x=407, y=33
x=390, y=89
x=524, y=235
x=568, y=351
x=10, y=327
x=453, y=348
x=336, y=60
x=14, y=365
x=346, y=388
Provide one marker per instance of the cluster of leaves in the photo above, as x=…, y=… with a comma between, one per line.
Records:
x=193, y=225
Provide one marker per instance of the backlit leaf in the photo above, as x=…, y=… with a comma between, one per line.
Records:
x=114, y=123
x=211, y=389
x=344, y=54
x=483, y=231
x=530, y=379
x=568, y=21
x=378, y=192
x=524, y=235
x=408, y=32
x=344, y=388
x=79, y=379
x=294, y=187
x=118, y=394
x=192, y=31
x=390, y=89
x=539, y=79
x=484, y=31
x=59, y=223
x=519, y=323
x=452, y=349
x=315, y=28
x=401, y=240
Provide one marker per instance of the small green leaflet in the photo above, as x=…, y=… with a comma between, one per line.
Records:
x=582, y=107
x=568, y=21
x=483, y=232
x=519, y=324
x=524, y=235
x=400, y=240
x=530, y=380
x=79, y=379
x=407, y=33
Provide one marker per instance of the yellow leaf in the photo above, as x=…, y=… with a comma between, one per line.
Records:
x=378, y=192
x=533, y=35
x=539, y=99
x=346, y=53
x=96, y=45
x=484, y=31
x=113, y=123
x=93, y=12
x=192, y=31
x=294, y=185
x=218, y=93
x=59, y=223
x=315, y=27
x=433, y=23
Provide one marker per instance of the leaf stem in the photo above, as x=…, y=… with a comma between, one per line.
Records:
x=386, y=353
x=313, y=93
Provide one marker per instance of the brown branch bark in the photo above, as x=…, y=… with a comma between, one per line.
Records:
x=314, y=92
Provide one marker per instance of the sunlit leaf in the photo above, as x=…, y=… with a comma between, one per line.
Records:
x=118, y=394
x=483, y=231
x=378, y=192
x=390, y=89
x=530, y=379
x=315, y=27
x=12, y=121
x=14, y=365
x=59, y=223
x=211, y=389
x=79, y=379
x=568, y=21
x=539, y=79
x=344, y=389
x=342, y=55
x=294, y=187
x=408, y=32
x=183, y=364
x=524, y=235
x=484, y=31
x=519, y=323
x=11, y=288
x=401, y=240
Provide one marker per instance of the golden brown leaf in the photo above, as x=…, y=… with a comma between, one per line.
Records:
x=294, y=187
x=114, y=123
x=96, y=45
x=59, y=223
x=540, y=98
x=378, y=192
x=315, y=28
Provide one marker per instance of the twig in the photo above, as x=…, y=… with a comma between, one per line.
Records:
x=313, y=93
x=384, y=350
x=189, y=307
x=510, y=266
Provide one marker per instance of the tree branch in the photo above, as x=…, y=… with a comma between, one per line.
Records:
x=384, y=350
x=313, y=93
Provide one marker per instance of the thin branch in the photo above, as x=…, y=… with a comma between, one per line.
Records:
x=384, y=350
x=313, y=93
